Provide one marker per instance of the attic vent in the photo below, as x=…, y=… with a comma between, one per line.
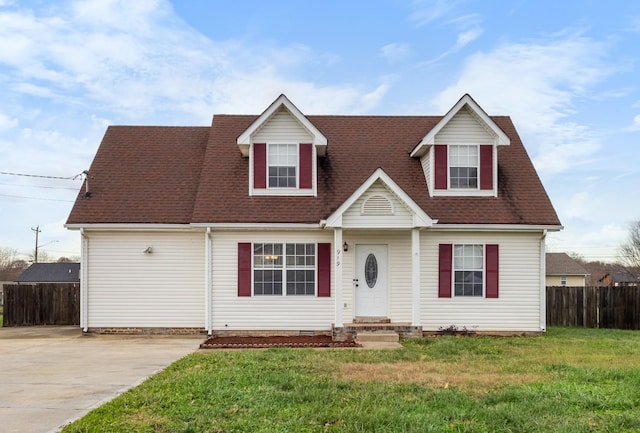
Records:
x=377, y=205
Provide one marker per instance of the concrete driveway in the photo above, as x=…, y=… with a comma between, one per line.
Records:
x=50, y=376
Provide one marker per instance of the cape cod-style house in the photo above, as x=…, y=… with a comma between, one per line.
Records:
x=285, y=223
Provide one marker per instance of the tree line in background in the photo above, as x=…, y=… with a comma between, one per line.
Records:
x=11, y=265
x=628, y=259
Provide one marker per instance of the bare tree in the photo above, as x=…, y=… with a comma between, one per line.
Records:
x=630, y=250
x=10, y=264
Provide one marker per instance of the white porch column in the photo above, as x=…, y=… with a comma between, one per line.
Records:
x=337, y=248
x=415, y=276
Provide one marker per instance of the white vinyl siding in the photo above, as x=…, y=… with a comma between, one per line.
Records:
x=284, y=128
x=130, y=288
x=231, y=312
x=399, y=271
x=355, y=217
x=463, y=128
x=518, y=306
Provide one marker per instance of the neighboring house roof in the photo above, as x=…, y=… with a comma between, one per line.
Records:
x=51, y=273
x=563, y=264
x=181, y=175
x=620, y=277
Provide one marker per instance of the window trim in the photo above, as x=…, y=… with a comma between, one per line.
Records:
x=297, y=165
x=440, y=186
x=450, y=166
x=482, y=269
x=563, y=280
x=284, y=268
x=265, y=190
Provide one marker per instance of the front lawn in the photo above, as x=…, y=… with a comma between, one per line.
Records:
x=569, y=380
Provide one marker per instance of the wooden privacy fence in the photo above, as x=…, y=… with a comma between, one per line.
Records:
x=41, y=304
x=594, y=307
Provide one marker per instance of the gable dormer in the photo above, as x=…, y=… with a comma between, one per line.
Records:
x=283, y=147
x=459, y=155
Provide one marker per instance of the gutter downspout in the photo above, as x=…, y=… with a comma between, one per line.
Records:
x=208, y=283
x=84, y=290
x=543, y=285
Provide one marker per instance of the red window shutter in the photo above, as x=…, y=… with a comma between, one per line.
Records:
x=492, y=265
x=440, y=158
x=445, y=263
x=486, y=166
x=244, y=269
x=324, y=270
x=306, y=165
x=259, y=165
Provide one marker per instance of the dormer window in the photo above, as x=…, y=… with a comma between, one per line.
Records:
x=463, y=167
x=282, y=146
x=282, y=165
x=459, y=155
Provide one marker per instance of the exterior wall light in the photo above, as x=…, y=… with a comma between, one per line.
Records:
x=345, y=247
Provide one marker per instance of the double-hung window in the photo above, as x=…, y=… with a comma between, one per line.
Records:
x=468, y=270
x=288, y=269
x=463, y=166
x=282, y=165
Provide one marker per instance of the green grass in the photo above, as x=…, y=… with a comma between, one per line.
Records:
x=569, y=380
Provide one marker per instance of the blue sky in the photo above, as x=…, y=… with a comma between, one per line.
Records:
x=567, y=72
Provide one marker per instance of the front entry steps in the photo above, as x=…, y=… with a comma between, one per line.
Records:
x=382, y=328
x=377, y=337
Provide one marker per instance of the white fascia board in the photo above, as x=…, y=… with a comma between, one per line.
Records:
x=429, y=139
x=319, y=140
x=421, y=219
x=137, y=226
x=259, y=226
x=496, y=227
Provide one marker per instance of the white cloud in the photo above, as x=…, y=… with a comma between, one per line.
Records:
x=138, y=60
x=6, y=122
x=427, y=11
x=467, y=37
x=395, y=52
x=635, y=126
x=537, y=84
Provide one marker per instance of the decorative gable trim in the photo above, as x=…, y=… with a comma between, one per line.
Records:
x=429, y=140
x=420, y=218
x=319, y=140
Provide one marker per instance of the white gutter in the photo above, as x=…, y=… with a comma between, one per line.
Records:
x=129, y=226
x=208, y=283
x=543, y=284
x=261, y=226
x=496, y=227
x=84, y=289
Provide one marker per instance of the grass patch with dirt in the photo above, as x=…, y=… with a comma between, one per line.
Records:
x=569, y=380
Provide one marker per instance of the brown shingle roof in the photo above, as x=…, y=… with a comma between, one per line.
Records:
x=143, y=174
x=563, y=264
x=182, y=175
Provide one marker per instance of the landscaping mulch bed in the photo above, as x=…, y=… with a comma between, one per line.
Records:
x=275, y=341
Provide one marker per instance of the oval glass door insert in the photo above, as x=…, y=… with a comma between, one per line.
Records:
x=371, y=270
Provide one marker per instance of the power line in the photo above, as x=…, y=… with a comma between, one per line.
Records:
x=38, y=186
x=41, y=176
x=35, y=198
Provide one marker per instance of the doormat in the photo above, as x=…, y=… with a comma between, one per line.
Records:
x=275, y=341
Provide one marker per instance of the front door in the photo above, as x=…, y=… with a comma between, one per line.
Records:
x=370, y=282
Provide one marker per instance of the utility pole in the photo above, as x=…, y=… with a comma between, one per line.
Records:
x=37, y=231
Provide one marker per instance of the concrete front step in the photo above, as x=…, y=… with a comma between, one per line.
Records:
x=378, y=337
